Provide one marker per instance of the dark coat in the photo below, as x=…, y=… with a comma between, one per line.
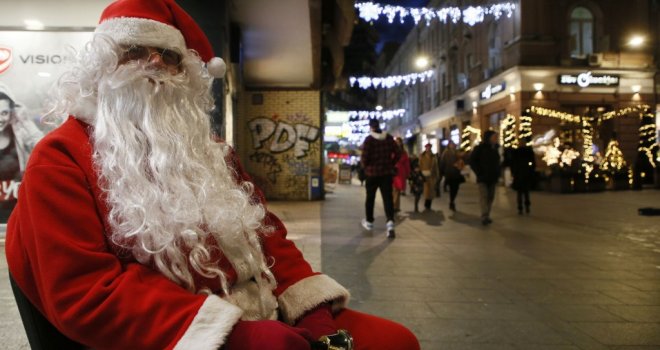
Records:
x=523, y=164
x=380, y=153
x=485, y=162
x=417, y=183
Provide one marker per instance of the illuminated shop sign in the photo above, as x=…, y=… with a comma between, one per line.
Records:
x=491, y=90
x=587, y=79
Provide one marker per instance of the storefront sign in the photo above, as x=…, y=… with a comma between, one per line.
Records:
x=491, y=90
x=587, y=79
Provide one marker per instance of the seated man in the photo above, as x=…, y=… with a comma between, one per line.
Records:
x=134, y=230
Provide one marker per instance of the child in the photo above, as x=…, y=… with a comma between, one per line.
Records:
x=417, y=180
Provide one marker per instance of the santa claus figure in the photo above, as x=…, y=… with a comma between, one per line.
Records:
x=135, y=230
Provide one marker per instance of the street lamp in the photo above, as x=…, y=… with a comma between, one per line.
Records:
x=636, y=41
x=422, y=62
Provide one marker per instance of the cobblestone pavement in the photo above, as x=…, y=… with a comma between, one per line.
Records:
x=581, y=272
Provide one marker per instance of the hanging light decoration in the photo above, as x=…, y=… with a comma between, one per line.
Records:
x=391, y=81
x=370, y=11
x=383, y=115
x=547, y=112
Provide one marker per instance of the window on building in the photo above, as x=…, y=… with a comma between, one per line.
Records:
x=581, y=28
x=494, y=48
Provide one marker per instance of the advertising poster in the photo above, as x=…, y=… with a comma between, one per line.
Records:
x=30, y=64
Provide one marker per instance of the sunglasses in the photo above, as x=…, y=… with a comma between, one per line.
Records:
x=143, y=53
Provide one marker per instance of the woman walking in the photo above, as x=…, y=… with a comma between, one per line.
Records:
x=402, y=173
x=454, y=178
x=428, y=164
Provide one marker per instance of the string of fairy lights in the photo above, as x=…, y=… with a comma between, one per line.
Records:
x=471, y=15
x=525, y=128
x=388, y=82
x=508, y=131
x=613, y=161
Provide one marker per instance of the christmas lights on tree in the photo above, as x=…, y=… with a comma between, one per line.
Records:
x=471, y=15
x=525, y=128
x=466, y=142
x=365, y=82
x=647, y=138
x=587, y=148
x=508, y=131
x=613, y=161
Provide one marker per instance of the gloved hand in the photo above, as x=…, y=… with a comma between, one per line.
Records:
x=318, y=321
x=276, y=335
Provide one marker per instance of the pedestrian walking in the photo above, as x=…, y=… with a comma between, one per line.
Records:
x=523, y=164
x=446, y=162
x=485, y=162
x=402, y=173
x=428, y=164
x=417, y=181
x=380, y=153
x=454, y=178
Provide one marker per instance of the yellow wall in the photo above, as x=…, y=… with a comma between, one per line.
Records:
x=279, y=140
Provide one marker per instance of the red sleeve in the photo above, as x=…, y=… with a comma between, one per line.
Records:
x=59, y=257
x=299, y=288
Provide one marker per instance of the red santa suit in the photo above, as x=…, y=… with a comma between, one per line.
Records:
x=59, y=253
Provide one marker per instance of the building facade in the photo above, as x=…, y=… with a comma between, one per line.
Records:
x=572, y=57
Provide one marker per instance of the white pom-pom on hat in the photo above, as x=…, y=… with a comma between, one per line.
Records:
x=216, y=67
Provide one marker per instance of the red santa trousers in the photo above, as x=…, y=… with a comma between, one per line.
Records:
x=375, y=333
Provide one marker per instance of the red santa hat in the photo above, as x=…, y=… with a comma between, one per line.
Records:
x=158, y=23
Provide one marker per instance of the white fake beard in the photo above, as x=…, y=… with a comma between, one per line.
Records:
x=167, y=184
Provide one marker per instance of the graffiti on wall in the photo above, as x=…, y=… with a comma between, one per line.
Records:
x=269, y=163
x=284, y=152
x=283, y=135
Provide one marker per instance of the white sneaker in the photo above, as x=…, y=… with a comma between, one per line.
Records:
x=390, y=229
x=367, y=225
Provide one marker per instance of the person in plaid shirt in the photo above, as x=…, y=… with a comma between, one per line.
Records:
x=380, y=154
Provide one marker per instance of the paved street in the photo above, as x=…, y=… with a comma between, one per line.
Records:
x=581, y=272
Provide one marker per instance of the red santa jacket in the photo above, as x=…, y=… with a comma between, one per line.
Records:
x=59, y=254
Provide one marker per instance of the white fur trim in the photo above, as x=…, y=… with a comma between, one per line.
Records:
x=310, y=293
x=216, y=67
x=142, y=31
x=210, y=327
x=85, y=109
x=379, y=135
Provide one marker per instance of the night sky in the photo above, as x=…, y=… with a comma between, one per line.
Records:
x=396, y=31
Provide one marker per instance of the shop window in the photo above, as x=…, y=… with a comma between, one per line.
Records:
x=581, y=30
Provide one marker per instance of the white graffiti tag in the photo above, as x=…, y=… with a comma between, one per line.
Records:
x=284, y=136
